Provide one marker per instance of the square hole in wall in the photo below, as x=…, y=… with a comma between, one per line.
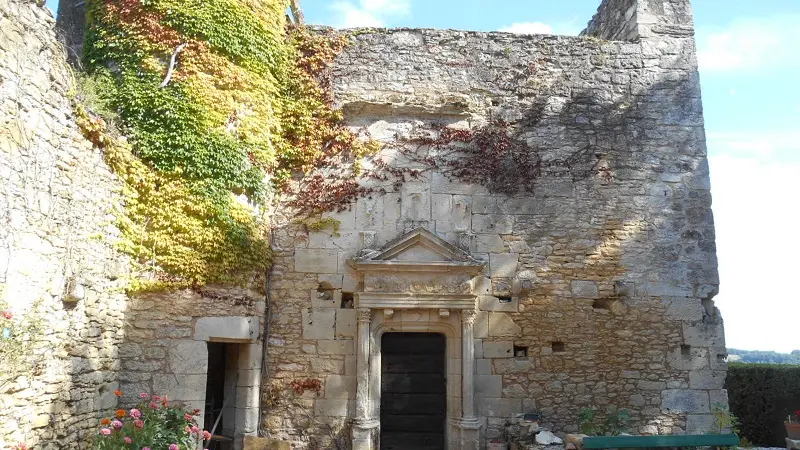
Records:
x=686, y=350
x=504, y=299
x=520, y=351
x=602, y=304
x=558, y=347
x=348, y=300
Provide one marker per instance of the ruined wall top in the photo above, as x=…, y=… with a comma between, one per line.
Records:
x=632, y=20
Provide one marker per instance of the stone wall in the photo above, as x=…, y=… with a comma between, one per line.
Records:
x=610, y=264
x=166, y=350
x=57, y=259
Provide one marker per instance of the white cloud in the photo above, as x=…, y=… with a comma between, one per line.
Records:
x=755, y=181
x=567, y=29
x=751, y=45
x=369, y=13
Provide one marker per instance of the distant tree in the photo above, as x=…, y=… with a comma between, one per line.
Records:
x=766, y=357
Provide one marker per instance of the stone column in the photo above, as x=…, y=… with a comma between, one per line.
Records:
x=469, y=422
x=363, y=424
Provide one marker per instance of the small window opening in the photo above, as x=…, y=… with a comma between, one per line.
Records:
x=520, y=351
x=721, y=357
x=348, y=301
x=223, y=363
x=602, y=304
x=558, y=347
x=504, y=299
x=686, y=350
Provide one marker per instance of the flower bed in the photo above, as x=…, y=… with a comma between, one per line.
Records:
x=153, y=424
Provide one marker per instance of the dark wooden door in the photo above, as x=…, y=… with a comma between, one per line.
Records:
x=413, y=391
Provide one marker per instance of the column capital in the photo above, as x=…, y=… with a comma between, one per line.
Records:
x=468, y=316
x=364, y=315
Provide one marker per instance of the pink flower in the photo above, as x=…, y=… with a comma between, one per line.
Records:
x=206, y=436
x=188, y=430
x=135, y=413
x=173, y=446
x=105, y=431
x=138, y=423
x=153, y=405
x=8, y=315
x=144, y=395
x=195, y=430
x=188, y=416
x=127, y=440
x=145, y=448
x=116, y=424
x=156, y=398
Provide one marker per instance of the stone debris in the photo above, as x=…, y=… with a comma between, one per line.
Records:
x=545, y=437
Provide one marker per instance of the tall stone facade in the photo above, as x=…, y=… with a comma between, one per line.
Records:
x=58, y=265
x=594, y=289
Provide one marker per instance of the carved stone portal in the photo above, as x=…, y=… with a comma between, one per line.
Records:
x=419, y=283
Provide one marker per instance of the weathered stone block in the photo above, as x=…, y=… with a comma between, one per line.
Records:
x=706, y=379
x=188, y=357
x=340, y=407
x=481, y=327
x=231, y=327
x=501, y=324
x=488, y=386
x=338, y=347
x=704, y=335
x=500, y=407
x=685, y=401
x=319, y=323
x=699, y=424
x=492, y=223
x=316, y=260
x=583, y=288
x=180, y=386
x=259, y=443
x=339, y=386
x=503, y=264
x=345, y=322
x=502, y=349
x=718, y=399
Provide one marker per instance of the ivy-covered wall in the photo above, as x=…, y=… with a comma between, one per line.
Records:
x=222, y=104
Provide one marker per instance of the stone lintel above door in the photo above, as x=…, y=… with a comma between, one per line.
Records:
x=417, y=270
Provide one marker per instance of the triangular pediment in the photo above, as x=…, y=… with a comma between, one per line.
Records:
x=417, y=250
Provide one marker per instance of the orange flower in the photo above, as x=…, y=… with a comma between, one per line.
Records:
x=105, y=421
x=120, y=413
x=118, y=393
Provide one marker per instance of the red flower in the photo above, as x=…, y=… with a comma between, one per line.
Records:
x=8, y=315
x=120, y=413
x=118, y=393
x=105, y=421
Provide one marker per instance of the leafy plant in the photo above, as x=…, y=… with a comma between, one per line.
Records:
x=724, y=420
x=152, y=424
x=586, y=421
x=18, y=334
x=617, y=422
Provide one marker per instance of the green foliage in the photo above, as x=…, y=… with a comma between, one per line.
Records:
x=724, y=420
x=616, y=421
x=18, y=334
x=762, y=396
x=229, y=30
x=153, y=424
x=586, y=421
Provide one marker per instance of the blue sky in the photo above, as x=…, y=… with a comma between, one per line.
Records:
x=749, y=55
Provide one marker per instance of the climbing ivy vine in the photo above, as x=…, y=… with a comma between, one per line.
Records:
x=223, y=106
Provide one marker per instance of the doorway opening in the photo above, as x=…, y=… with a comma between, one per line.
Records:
x=413, y=391
x=220, y=401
